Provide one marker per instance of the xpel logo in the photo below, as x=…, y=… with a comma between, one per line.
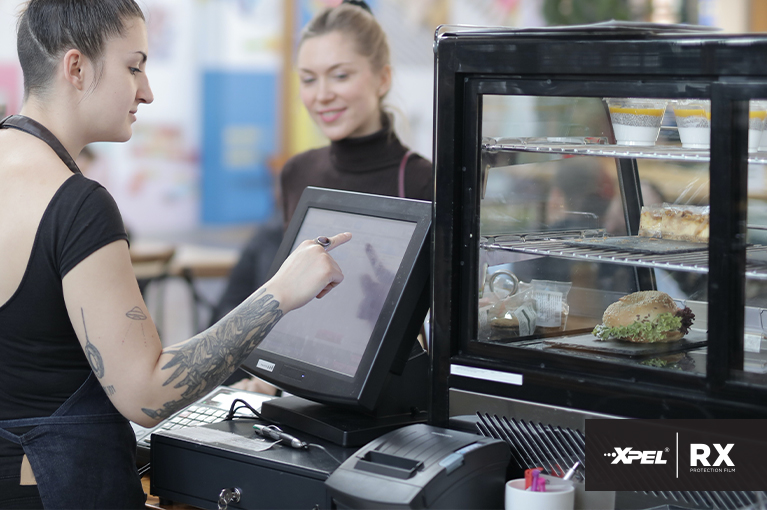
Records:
x=676, y=455
x=629, y=455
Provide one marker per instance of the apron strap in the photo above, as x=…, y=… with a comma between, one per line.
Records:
x=90, y=394
x=10, y=436
x=37, y=130
x=62, y=420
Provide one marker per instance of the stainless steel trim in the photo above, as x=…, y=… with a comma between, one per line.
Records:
x=664, y=152
x=468, y=403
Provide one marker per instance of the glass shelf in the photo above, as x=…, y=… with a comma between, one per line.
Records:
x=593, y=146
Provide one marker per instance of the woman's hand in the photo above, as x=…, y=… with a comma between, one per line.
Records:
x=307, y=273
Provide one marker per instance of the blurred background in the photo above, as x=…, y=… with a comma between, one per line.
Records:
x=198, y=175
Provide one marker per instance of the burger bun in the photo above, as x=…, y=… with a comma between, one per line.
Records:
x=641, y=306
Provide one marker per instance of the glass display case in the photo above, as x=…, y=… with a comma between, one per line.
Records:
x=576, y=167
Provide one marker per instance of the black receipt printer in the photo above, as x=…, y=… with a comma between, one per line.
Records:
x=420, y=466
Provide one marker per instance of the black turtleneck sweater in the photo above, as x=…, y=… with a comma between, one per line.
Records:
x=368, y=164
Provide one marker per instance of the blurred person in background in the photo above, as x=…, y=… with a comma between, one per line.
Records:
x=79, y=352
x=345, y=73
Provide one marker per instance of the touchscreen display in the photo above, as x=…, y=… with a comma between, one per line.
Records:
x=333, y=332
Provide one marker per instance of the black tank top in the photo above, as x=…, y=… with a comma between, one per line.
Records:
x=41, y=360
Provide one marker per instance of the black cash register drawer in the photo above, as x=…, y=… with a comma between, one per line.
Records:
x=194, y=473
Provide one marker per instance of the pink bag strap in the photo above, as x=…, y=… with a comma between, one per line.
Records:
x=401, y=179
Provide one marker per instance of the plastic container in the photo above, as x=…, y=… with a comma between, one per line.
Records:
x=757, y=116
x=693, y=120
x=636, y=121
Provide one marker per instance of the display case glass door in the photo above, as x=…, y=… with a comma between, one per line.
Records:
x=584, y=201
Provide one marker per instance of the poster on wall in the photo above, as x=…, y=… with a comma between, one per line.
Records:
x=241, y=55
x=155, y=176
x=10, y=89
x=239, y=137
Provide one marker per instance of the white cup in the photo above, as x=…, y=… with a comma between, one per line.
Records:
x=559, y=495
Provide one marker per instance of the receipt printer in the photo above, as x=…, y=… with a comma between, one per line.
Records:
x=420, y=466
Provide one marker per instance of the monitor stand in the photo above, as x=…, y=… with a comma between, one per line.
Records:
x=402, y=402
x=341, y=426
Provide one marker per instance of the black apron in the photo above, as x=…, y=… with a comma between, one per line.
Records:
x=84, y=454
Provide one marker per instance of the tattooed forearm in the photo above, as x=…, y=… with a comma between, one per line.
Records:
x=160, y=414
x=93, y=354
x=209, y=358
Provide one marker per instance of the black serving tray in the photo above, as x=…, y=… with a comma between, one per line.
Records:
x=588, y=342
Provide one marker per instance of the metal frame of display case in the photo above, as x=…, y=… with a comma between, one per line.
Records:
x=592, y=62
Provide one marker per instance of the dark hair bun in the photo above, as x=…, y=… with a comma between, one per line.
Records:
x=359, y=3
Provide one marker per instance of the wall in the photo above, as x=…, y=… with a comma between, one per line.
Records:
x=205, y=152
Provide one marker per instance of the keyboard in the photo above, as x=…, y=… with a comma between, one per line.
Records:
x=212, y=408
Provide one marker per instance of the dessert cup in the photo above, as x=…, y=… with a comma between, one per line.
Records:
x=757, y=116
x=636, y=121
x=693, y=120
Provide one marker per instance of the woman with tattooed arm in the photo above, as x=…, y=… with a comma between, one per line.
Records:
x=79, y=353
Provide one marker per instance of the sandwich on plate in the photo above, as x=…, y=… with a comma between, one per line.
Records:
x=648, y=316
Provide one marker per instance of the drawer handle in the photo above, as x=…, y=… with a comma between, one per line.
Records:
x=228, y=496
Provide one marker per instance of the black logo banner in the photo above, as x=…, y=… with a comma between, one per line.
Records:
x=676, y=455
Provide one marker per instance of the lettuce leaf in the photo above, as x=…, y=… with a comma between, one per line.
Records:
x=650, y=331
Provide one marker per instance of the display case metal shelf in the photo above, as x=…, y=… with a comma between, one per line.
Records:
x=600, y=148
x=566, y=245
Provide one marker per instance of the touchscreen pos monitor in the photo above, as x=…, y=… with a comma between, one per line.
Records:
x=351, y=360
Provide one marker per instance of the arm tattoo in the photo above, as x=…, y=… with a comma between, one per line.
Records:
x=93, y=354
x=136, y=313
x=210, y=357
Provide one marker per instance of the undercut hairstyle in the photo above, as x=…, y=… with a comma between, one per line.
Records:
x=47, y=29
x=359, y=24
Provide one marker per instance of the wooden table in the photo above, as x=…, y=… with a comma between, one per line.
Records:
x=157, y=261
x=150, y=260
x=203, y=261
x=193, y=262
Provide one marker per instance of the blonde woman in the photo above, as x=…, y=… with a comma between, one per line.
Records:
x=345, y=74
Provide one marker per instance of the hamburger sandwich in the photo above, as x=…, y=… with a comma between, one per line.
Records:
x=645, y=317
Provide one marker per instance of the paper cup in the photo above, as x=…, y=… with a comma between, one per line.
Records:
x=559, y=495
